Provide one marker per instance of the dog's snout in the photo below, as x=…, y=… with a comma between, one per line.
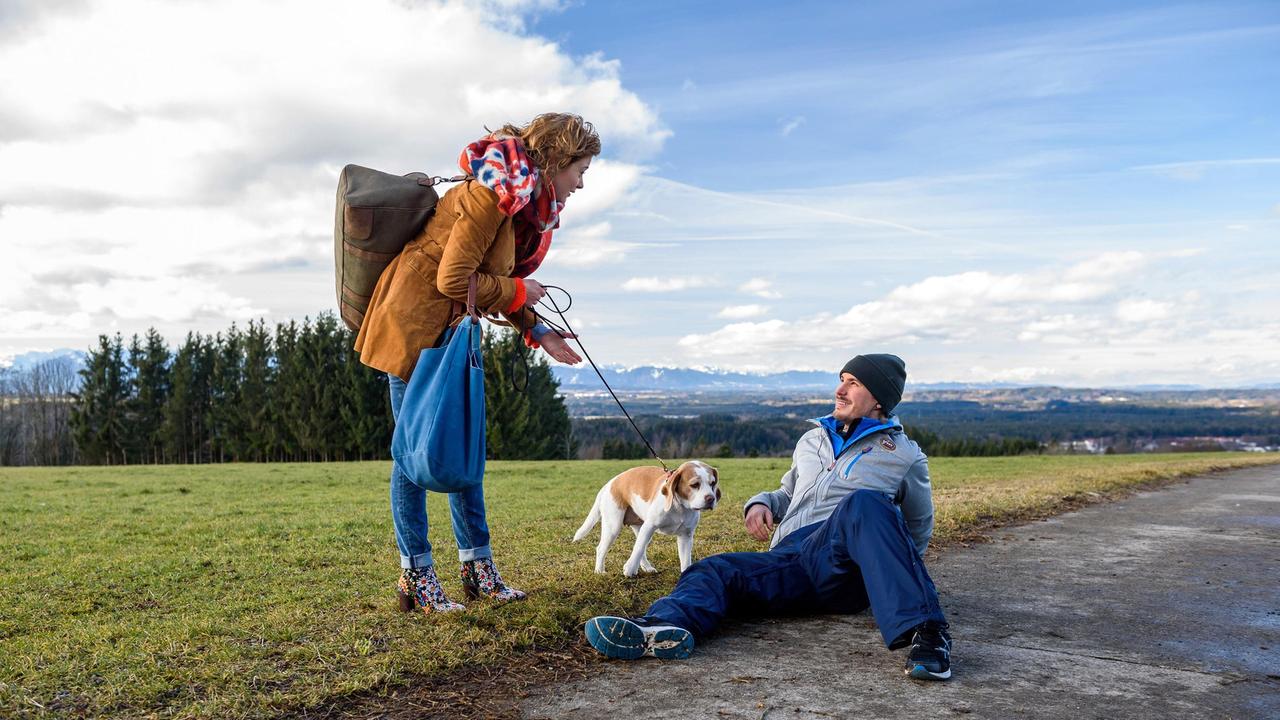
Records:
x=708, y=500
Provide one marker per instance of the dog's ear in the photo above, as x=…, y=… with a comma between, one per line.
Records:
x=669, y=489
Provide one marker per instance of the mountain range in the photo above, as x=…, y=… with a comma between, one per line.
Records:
x=659, y=379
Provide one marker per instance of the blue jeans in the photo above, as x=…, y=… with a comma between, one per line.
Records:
x=862, y=556
x=409, y=510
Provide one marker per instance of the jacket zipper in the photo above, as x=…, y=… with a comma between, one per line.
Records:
x=831, y=467
x=836, y=458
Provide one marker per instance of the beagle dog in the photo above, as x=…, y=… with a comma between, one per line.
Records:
x=649, y=500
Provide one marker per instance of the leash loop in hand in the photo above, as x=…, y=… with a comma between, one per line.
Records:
x=568, y=330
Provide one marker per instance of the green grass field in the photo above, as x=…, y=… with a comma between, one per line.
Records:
x=257, y=590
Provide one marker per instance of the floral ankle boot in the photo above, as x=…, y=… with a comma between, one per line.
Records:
x=480, y=577
x=421, y=587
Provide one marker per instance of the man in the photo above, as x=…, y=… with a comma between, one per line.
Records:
x=850, y=524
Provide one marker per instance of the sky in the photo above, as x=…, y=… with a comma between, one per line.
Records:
x=1079, y=194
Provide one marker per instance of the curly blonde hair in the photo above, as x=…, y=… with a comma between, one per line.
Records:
x=555, y=140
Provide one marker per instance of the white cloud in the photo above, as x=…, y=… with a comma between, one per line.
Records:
x=962, y=308
x=1195, y=169
x=1143, y=311
x=606, y=182
x=175, y=163
x=791, y=124
x=1025, y=327
x=742, y=312
x=760, y=287
x=40, y=324
x=664, y=284
x=1029, y=375
x=587, y=247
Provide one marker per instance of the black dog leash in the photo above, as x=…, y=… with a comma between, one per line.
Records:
x=567, y=329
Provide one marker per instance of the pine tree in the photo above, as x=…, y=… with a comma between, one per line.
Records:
x=507, y=410
x=99, y=418
x=365, y=407
x=149, y=369
x=284, y=405
x=552, y=436
x=227, y=436
x=254, y=408
x=326, y=354
x=186, y=413
x=525, y=419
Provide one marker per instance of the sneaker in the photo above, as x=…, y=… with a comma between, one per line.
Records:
x=930, y=654
x=632, y=638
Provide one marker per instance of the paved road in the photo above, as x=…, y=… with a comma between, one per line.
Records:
x=1166, y=604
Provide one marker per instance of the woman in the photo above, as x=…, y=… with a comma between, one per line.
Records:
x=496, y=225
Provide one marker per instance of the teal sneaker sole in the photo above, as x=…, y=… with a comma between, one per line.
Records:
x=620, y=638
x=920, y=673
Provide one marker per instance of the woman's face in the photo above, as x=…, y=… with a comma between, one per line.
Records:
x=570, y=179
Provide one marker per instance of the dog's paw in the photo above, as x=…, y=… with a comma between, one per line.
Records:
x=649, y=568
x=630, y=570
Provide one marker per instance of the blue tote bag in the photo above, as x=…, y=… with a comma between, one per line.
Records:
x=439, y=438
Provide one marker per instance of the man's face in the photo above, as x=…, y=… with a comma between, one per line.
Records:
x=853, y=401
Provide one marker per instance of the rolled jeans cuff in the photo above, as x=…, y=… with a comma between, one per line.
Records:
x=479, y=553
x=416, y=561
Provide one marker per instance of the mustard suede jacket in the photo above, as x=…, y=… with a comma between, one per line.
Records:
x=413, y=302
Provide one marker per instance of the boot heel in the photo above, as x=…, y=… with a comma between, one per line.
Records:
x=471, y=592
x=406, y=600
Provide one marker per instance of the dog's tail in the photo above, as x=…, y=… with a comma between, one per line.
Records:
x=593, y=517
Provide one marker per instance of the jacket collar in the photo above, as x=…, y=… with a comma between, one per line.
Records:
x=866, y=426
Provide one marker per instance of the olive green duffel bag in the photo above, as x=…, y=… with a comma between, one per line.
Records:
x=377, y=214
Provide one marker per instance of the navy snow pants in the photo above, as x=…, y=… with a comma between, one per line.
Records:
x=862, y=556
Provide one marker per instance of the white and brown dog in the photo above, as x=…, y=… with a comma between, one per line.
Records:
x=648, y=500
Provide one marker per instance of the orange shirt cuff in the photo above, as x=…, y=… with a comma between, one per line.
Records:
x=518, y=301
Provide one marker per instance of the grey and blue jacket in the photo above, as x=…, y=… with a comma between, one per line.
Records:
x=826, y=467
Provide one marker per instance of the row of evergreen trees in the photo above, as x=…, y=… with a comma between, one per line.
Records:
x=721, y=435
x=296, y=394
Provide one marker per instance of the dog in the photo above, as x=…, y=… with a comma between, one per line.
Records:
x=649, y=500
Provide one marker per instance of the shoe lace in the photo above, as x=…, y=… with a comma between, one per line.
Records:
x=932, y=635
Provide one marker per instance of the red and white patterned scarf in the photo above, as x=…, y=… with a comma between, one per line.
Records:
x=500, y=163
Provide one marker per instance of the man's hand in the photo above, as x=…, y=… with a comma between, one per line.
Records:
x=553, y=344
x=759, y=522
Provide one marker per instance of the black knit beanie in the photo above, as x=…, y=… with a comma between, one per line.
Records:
x=883, y=375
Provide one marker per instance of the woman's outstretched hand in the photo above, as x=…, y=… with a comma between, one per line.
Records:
x=553, y=344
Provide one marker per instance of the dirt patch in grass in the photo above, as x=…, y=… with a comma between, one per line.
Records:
x=479, y=692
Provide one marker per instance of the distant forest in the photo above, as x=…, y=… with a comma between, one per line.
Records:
x=946, y=428
x=713, y=435
x=297, y=392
